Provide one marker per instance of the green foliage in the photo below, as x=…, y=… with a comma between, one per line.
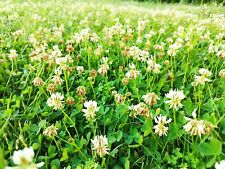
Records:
x=213, y=147
x=184, y=1
x=104, y=47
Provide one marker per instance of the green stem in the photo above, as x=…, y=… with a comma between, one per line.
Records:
x=67, y=87
x=174, y=116
x=56, y=143
x=136, y=90
x=70, y=121
x=92, y=87
x=75, y=145
x=103, y=165
x=10, y=76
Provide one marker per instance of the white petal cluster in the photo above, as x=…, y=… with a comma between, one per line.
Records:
x=205, y=72
x=100, y=145
x=175, y=96
x=80, y=69
x=56, y=78
x=38, y=81
x=153, y=66
x=133, y=73
x=150, y=98
x=160, y=127
x=24, y=159
x=104, y=67
x=55, y=101
x=220, y=165
x=12, y=54
x=140, y=109
x=222, y=73
x=50, y=131
x=203, y=78
x=61, y=61
x=197, y=127
x=91, y=109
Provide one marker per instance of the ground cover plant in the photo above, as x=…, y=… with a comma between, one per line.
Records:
x=115, y=85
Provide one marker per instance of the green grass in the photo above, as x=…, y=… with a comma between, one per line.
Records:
x=166, y=46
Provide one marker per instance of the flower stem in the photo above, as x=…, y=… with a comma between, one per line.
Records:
x=71, y=122
x=174, y=116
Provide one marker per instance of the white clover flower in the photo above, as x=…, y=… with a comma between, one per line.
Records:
x=61, y=61
x=169, y=40
x=38, y=81
x=194, y=126
x=161, y=30
x=17, y=33
x=141, y=25
x=91, y=109
x=94, y=37
x=160, y=128
x=221, y=54
x=119, y=98
x=150, y=34
x=133, y=73
x=135, y=52
x=55, y=101
x=81, y=90
x=201, y=80
x=57, y=34
x=213, y=49
x=56, y=52
x=159, y=47
x=104, y=60
x=85, y=34
x=173, y=48
x=153, y=66
x=100, y=145
x=132, y=66
x=175, y=96
x=24, y=159
x=198, y=127
x=205, y=72
x=77, y=38
x=99, y=50
x=104, y=67
x=220, y=165
x=150, y=98
x=12, y=54
x=50, y=131
x=144, y=55
x=140, y=109
x=56, y=78
x=139, y=40
x=222, y=73
x=80, y=69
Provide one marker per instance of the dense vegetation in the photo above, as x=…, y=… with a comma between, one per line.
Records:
x=221, y=2
x=116, y=85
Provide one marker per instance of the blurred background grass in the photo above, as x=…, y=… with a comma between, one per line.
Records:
x=194, y=2
x=222, y=2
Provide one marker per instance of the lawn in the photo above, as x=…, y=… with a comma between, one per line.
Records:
x=111, y=85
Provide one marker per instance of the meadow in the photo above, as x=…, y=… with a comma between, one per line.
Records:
x=103, y=84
